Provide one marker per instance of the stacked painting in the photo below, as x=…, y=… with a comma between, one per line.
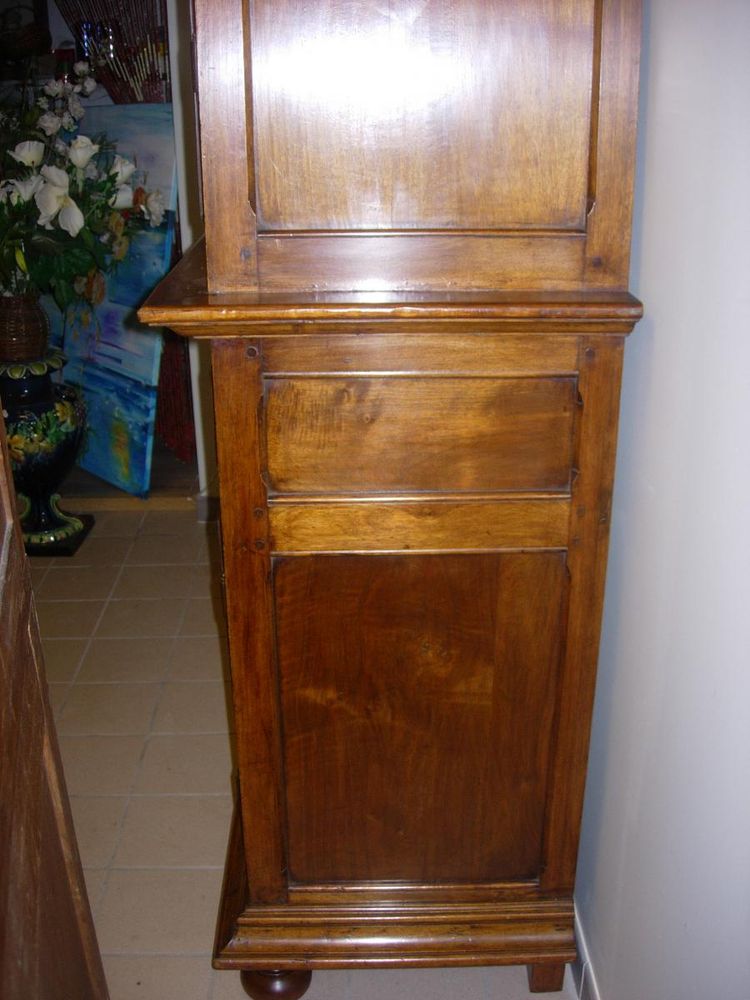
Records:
x=111, y=356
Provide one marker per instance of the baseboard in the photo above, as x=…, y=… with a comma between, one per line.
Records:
x=587, y=987
x=206, y=507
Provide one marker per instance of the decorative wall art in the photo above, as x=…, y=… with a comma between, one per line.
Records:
x=112, y=357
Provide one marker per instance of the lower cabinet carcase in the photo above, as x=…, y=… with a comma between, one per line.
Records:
x=414, y=534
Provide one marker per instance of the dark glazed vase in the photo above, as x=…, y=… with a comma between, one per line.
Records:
x=45, y=422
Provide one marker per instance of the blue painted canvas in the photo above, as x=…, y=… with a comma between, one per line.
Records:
x=108, y=336
x=146, y=264
x=120, y=419
x=113, y=357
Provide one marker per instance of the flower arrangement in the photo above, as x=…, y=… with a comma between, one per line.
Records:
x=68, y=202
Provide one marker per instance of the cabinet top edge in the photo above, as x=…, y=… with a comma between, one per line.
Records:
x=182, y=300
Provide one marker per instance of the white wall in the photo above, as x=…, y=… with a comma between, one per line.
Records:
x=664, y=875
x=191, y=228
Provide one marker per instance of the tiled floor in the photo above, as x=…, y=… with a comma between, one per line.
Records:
x=133, y=638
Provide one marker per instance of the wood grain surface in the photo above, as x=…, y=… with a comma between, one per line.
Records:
x=416, y=352
x=427, y=525
x=329, y=435
x=249, y=604
x=418, y=697
x=422, y=116
x=186, y=302
x=344, y=118
x=600, y=373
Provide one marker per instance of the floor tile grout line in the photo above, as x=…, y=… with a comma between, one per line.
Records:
x=94, y=600
x=141, y=735
x=105, y=879
x=156, y=954
x=103, y=886
x=42, y=576
x=202, y=566
x=158, y=868
x=176, y=681
x=147, y=738
x=159, y=635
x=154, y=795
x=89, y=640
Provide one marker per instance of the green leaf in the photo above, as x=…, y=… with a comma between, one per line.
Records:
x=21, y=260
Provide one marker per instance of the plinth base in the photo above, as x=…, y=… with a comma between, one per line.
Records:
x=426, y=929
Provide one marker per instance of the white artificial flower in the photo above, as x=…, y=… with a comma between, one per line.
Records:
x=81, y=150
x=122, y=198
x=53, y=88
x=68, y=121
x=88, y=86
x=30, y=153
x=49, y=123
x=55, y=176
x=91, y=173
x=53, y=200
x=122, y=169
x=5, y=190
x=154, y=208
x=81, y=68
x=75, y=108
x=25, y=190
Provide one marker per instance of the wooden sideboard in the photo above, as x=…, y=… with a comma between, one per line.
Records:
x=414, y=280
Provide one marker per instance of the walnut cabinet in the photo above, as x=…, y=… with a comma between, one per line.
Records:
x=414, y=279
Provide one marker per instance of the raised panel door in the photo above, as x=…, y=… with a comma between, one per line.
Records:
x=422, y=114
x=417, y=707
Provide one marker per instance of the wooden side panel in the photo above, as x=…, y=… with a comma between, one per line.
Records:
x=613, y=157
x=48, y=947
x=410, y=434
x=430, y=116
x=600, y=370
x=226, y=140
x=244, y=523
x=418, y=699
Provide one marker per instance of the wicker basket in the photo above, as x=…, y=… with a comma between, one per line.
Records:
x=24, y=328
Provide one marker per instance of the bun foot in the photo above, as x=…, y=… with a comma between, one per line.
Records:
x=545, y=978
x=282, y=984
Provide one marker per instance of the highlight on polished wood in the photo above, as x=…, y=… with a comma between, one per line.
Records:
x=414, y=281
x=417, y=145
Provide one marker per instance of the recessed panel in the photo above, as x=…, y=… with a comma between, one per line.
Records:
x=417, y=698
x=354, y=435
x=422, y=114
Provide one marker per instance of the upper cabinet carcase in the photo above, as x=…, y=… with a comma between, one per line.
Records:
x=421, y=145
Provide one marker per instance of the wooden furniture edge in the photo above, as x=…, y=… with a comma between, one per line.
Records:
x=183, y=303
x=410, y=935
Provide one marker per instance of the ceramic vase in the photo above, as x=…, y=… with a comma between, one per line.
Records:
x=45, y=422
